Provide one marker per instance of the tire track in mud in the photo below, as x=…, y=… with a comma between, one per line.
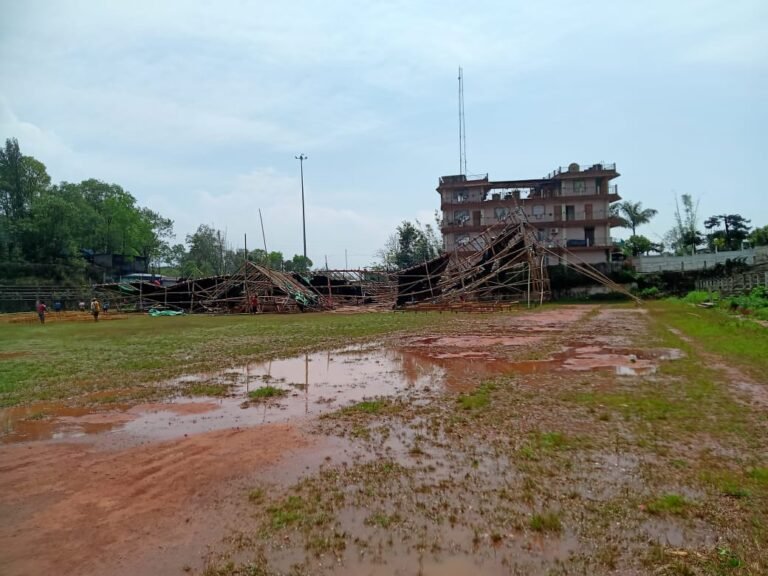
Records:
x=747, y=390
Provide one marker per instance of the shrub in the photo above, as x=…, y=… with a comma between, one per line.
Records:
x=696, y=297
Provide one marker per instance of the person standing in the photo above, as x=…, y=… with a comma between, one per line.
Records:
x=41, y=310
x=95, y=309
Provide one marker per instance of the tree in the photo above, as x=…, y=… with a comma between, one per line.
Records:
x=22, y=180
x=736, y=230
x=637, y=245
x=172, y=256
x=205, y=256
x=685, y=235
x=298, y=264
x=759, y=236
x=151, y=232
x=410, y=245
x=45, y=224
x=632, y=214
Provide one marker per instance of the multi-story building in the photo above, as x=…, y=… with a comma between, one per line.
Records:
x=570, y=208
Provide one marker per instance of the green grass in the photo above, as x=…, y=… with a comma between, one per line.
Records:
x=366, y=407
x=693, y=398
x=266, y=392
x=477, y=399
x=546, y=522
x=382, y=520
x=542, y=443
x=759, y=475
x=70, y=360
x=203, y=389
x=668, y=504
x=718, y=332
x=290, y=511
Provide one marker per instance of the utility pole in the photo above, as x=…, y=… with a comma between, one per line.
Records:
x=301, y=158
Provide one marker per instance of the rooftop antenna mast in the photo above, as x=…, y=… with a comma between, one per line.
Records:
x=462, y=127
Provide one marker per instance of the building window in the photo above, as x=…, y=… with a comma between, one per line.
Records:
x=500, y=212
x=570, y=212
x=462, y=239
x=578, y=187
x=460, y=217
x=538, y=211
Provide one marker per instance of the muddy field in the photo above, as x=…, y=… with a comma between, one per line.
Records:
x=568, y=440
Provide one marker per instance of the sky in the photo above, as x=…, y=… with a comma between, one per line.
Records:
x=200, y=108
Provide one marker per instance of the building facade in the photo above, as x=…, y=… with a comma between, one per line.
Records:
x=570, y=208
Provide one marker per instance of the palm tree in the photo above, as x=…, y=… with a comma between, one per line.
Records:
x=632, y=214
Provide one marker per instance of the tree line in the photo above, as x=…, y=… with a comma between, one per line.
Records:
x=726, y=231
x=47, y=230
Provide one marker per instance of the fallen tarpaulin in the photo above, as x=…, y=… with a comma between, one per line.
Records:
x=154, y=312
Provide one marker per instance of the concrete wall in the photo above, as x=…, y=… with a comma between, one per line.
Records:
x=649, y=264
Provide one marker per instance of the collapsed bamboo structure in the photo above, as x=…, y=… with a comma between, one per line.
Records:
x=252, y=289
x=504, y=265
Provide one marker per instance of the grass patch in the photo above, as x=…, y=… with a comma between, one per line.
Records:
x=266, y=392
x=288, y=512
x=84, y=357
x=668, y=504
x=204, y=389
x=760, y=475
x=543, y=442
x=256, y=496
x=720, y=333
x=546, y=522
x=366, y=407
x=477, y=399
x=382, y=520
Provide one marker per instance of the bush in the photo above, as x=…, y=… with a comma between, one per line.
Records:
x=696, y=297
x=649, y=293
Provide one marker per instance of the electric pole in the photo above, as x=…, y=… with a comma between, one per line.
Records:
x=301, y=158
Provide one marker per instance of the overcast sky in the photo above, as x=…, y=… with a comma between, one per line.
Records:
x=199, y=108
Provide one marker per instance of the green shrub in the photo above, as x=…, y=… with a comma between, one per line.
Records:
x=696, y=297
x=650, y=293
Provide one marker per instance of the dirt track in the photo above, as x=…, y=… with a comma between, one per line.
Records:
x=115, y=502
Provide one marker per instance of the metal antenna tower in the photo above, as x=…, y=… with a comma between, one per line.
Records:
x=462, y=127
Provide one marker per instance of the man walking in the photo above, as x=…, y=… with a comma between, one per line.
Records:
x=95, y=309
x=41, y=310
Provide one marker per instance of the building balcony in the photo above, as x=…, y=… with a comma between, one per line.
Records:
x=512, y=201
x=456, y=228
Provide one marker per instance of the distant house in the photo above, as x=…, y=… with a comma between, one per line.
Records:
x=570, y=208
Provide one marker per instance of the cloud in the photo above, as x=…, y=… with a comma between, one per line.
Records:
x=331, y=229
x=38, y=142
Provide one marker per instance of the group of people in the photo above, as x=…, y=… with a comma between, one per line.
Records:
x=96, y=308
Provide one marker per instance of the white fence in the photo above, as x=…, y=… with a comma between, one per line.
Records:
x=736, y=284
x=650, y=264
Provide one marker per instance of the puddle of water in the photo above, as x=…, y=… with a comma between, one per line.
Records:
x=472, y=341
x=47, y=420
x=318, y=383
x=314, y=383
x=623, y=361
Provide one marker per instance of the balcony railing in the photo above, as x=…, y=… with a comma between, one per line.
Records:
x=599, y=166
x=460, y=178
